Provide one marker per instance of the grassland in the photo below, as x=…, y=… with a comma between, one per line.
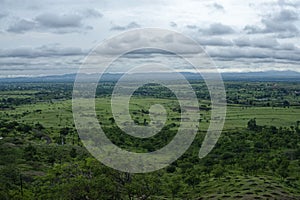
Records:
x=59, y=114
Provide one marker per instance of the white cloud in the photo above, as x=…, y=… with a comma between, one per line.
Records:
x=22, y=26
x=52, y=20
x=55, y=22
x=42, y=51
x=131, y=25
x=217, y=29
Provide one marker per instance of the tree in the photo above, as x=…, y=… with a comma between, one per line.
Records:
x=192, y=178
x=171, y=169
x=252, y=124
x=39, y=126
x=30, y=152
x=286, y=103
x=24, y=128
x=175, y=185
x=218, y=171
x=112, y=120
x=64, y=131
x=73, y=153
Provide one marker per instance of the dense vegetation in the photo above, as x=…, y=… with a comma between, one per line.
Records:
x=256, y=157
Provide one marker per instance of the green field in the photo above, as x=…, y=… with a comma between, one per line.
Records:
x=59, y=114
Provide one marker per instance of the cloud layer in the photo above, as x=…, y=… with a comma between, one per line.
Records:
x=55, y=22
x=53, y=37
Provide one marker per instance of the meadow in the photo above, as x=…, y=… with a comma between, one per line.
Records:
x=59, y=113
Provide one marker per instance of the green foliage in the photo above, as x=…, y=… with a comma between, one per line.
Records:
x=73, y=153
x=257, y=155
x=252, y=124
x=30, y=152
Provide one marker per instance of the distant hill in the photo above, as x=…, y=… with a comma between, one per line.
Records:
x=244, y=76
x=263, y=76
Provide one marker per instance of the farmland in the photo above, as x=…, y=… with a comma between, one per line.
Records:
x=257, y=155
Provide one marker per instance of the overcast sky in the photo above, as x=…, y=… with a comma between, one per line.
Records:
x=53, y=37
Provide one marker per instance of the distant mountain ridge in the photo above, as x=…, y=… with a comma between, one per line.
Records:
x=232, y=76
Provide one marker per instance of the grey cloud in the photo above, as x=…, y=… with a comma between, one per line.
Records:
x=18, y=52
x=65, y=51
x=286, y=15
x=276, y=26
x=281, y=23
x=173, y=24
x=251, y=29
x=59, y=21
x=168, y=38
x=3, y=14
x=287, y=46
x=22, y=26
x=233, y=53
x=215, y=42
x=137, y=40
x=288, y=34
x=93, y=13
x=218, y=6
x=262, y=42
x=43, y=51
x=283, y=30
x=26, y=66
x=148, y=52
x=287, y=55
x=217, y=29
x=191, y=26
x=283, y=3
x=131, y=25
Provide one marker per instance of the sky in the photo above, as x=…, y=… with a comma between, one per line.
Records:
x=53, y=37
